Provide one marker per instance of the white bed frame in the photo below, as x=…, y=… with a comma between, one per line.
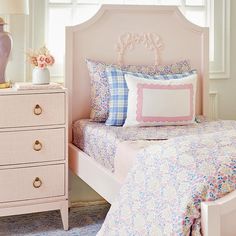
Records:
x=173, y=38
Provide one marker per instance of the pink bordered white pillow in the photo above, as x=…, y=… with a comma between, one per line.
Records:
x=161, y=102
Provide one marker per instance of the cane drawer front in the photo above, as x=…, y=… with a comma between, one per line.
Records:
x=32, y=183
x=20, y=147
x=32, y=110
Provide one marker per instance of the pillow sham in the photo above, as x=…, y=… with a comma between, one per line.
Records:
x=160, y=102
x=100, y=88
x=118, y=102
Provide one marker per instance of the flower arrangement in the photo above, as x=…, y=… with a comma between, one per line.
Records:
x=40, y=58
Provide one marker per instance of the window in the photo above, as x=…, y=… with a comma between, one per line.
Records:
x=200, y=12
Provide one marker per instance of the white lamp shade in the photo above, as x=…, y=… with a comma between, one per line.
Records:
x=14, y=7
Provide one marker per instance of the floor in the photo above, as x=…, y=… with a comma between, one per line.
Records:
x=83, y=221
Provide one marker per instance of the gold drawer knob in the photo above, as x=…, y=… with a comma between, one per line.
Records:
x=38, y=110
x=37, y=146
x=37, y=182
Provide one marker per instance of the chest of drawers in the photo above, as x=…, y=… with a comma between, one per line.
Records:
x=33, y=152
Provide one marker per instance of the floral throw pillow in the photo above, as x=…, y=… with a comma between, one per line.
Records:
x=100, y=94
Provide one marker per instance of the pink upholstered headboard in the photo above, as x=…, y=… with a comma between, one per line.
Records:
x=97, y=39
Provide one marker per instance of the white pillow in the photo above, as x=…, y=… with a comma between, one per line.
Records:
x=160, y=102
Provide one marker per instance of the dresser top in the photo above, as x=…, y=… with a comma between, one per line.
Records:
x=13, y=91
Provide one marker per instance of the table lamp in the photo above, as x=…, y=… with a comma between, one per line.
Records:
x=8, y=7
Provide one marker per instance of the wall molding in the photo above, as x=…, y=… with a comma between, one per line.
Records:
x=223, y=70
x=213, y=105
x=35, y=30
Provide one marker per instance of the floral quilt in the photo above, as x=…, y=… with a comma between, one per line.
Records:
x=100, y=141
x=163, y=192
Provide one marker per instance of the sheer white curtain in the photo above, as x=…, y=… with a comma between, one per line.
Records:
x=69, y=12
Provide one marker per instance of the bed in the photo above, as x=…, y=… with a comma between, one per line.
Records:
x=97, y=39
x=109, y=146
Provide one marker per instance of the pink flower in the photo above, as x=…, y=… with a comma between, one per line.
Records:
x=33, y=61
x=41, y=58
x=49, y=60
x=42, y=65
x=52, y=60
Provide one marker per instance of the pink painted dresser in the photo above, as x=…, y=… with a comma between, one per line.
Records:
x=33, y=152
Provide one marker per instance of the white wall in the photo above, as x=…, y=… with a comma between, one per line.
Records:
x=17, y=61
x=227, y=87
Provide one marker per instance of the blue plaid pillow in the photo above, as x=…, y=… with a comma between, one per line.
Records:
x=119, y=92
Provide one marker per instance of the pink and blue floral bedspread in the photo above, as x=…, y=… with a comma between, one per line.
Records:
x=100, y=141
x=163, y=191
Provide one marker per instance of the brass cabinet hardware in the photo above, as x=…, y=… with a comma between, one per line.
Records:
x=38, y=110
x=37, y=146
x=37, y=182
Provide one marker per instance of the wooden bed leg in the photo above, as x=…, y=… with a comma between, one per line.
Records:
x=65, y=215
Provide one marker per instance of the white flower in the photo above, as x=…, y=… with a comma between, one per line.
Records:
x=182, y=176
x=155, y=230
x=139, y=222
x=153, y=184
x=169, y=193
x=125, y=210
x=164, y=167
x=207, y=169
x=186, y=160
x=139, y=177
x=170, y=151
x=122, y=231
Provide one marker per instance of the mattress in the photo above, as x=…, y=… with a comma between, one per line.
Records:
x=100, y=142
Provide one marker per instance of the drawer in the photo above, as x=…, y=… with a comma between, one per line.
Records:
x=32, y=183
x=32, y=110
x=32, y=146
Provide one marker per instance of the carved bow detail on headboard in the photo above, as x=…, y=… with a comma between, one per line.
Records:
x=127, y=41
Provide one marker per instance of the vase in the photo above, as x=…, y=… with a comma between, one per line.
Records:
x=40, y=76
x=5, y=49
